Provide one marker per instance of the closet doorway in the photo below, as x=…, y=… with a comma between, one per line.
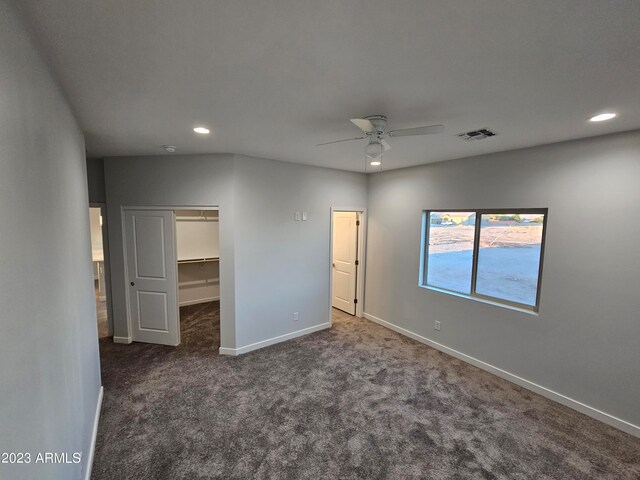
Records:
x=347, y=254
x=198, y=264
x=172, y=275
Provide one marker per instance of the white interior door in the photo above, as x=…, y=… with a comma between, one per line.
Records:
x=152, y=276
x=345, y=252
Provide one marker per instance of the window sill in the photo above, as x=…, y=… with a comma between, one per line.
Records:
x=486, y=301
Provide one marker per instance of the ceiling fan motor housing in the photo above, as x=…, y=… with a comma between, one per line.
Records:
x=379, y=122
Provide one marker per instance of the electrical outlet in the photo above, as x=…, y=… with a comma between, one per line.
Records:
x=296, y=316
x=296, y=216
x=437, y=325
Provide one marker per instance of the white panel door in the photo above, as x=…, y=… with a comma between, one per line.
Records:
x=152, y=275
x=345, y=251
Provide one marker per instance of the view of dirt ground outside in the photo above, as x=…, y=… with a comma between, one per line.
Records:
x=508, y=254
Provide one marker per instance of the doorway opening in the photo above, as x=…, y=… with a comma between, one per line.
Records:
x=99, y=258
x=347, y=255
x=172, y=257
x=198, y=264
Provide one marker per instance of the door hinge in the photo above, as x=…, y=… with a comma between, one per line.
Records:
x=357, y=263
x=357, y=223
x=355, y=300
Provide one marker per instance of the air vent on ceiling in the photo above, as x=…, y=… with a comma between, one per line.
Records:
x=480, y=134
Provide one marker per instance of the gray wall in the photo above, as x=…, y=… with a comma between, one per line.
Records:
x=203, y=180
x=270, y=265
x=584, y=342
x=50, y=375
x=282, y=265
x=95, y=180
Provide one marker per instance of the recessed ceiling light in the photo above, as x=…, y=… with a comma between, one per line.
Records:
x=374, y=163
x=602, y=117
x=201, y=130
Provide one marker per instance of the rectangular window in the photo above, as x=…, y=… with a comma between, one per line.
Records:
x=490, y=255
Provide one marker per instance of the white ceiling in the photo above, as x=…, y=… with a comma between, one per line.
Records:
x=273, y=78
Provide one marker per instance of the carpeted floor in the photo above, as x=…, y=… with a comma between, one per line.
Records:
x=355, y=401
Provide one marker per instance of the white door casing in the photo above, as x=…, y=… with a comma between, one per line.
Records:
x=152, y=276
x=345, y=251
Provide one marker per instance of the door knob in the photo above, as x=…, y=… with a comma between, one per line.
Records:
x=133, y=284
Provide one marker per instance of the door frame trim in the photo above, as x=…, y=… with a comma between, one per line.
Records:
x=362, y=255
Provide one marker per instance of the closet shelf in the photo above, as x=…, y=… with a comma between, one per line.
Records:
x=198, y=260
x=200, y=283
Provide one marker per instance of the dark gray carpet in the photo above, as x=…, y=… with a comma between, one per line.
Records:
x=356, y=401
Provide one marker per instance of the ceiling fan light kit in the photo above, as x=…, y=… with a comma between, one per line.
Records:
x=373, y=153
x=375, y=130
x=373, y=150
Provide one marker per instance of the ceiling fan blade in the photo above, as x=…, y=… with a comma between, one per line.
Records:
x=385, y=145
x=363, y=124
x=338, y=141
x=405, y=132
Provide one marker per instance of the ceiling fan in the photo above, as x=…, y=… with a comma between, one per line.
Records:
x=374, y=128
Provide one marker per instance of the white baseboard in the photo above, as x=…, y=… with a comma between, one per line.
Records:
x=274, y=340
x=545, y=392
x=125, y=340
x=94, y=434
x=227, y=351
x=199, y=300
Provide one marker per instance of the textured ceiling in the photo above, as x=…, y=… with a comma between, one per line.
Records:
x=272, y=79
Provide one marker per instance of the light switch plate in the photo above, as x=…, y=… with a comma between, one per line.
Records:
x=304, y=216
